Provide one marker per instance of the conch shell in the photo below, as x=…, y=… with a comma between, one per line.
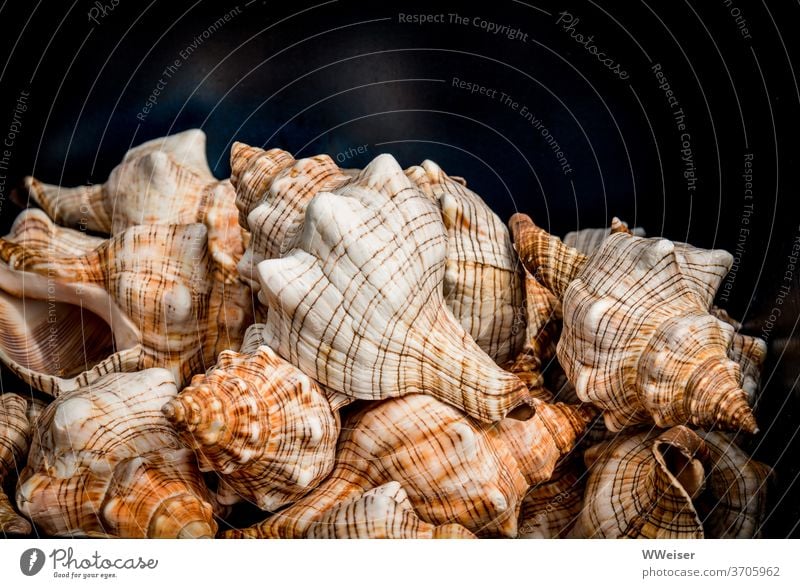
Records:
x=453, y=468
x=149, y=296
x=164, y=181
x=105, y=462
x=550, y=509
x=14, y=439
x=381, y=513
x=263, y=425
x=638, y=340
x=483, y=279
x=358, y=303
x=672, y=484
x=642, y=486
x=273, y=190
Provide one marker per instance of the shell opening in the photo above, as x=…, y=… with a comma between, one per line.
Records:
x=51, y=328
x=686, y=470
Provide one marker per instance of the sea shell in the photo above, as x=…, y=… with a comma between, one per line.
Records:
x=165, y=181
x=735, y=500
x=550, y=509
x=642, y=486
x=263, y=425
x=14, y=440
x=273, y=190
x=587, y=241
x=672, y=484
x=638, y=340
x=149, y=296
x=358, y=304
x=453, y=468
x=381, y=513
x=107, y=462
x=483, y=280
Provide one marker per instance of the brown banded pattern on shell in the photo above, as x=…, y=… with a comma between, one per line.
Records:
x=638, y=340
x=266, y=428
x=358, y=304
x=272, y=192
x=381, y=513
x=453, y=468
x=15, y=434
x=735, y=500
x=150, y=296
x=642, y=486
x=483, y=280
x=550, y=509
x=105, y=462
x=165, y=181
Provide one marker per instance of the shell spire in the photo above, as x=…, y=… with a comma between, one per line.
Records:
x=375, y=249
x=261, y=424
x=544, y=255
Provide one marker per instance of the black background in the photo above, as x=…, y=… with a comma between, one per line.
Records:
x=332, y=76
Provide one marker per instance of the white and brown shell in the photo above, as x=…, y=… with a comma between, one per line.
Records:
x=273, y=190
x=73, y=308
x=672, y=484
x=106, y=462
x=453, y=468
x=638, y=340
x=358, y=303
x=266, y=428
x=483, y=279
x=642, y=486
x=165, y=181
x=15, y=434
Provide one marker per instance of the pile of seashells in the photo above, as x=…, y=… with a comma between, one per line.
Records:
x=360, y=353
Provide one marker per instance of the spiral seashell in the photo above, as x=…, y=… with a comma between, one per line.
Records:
x=550, y=509
x=642, y=486
x=15, y=436
x=672, y=484
x=483, y=280
x=106, y=462
x=454, y=469
x=381, y=513
x=358, y=304
x=165, y=181
x=638, y=340
x=260, y=423
x=272, y=192
x=150, y=296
